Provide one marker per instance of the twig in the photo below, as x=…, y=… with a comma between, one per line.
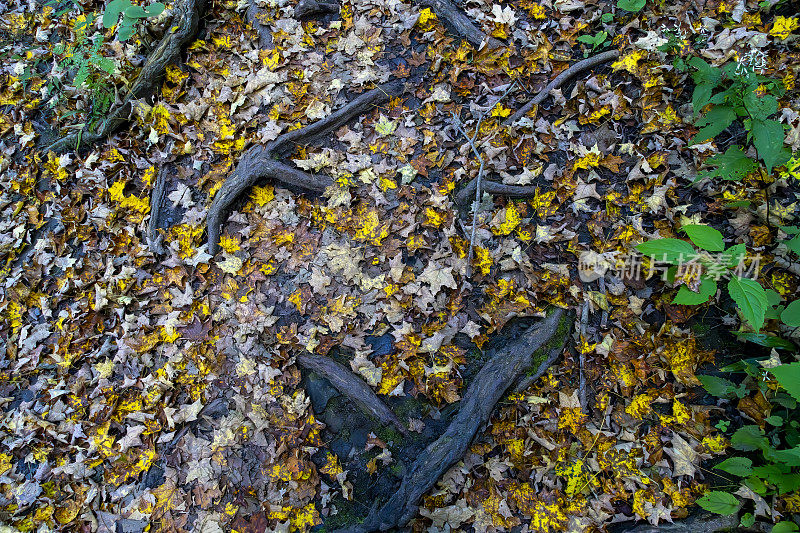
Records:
x=581, y=358
x=494, y=188
x=471, y=141
x=580, y=66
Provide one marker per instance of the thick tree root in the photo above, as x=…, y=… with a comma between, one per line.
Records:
x=460, y=22
x=310, y=8
x=182, y=30
x=352, y=387
x=577, y=68
x=156, y=204
x=495, y=188
x=259, y=162
x=489, y=386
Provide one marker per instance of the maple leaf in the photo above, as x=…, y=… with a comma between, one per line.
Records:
x=437, y=276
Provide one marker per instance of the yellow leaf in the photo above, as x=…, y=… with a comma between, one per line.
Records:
x=629, y=62
x=263, y=195
x=783, y=26
x=231, y=264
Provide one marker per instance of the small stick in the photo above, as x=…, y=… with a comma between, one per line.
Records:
x=471, y=141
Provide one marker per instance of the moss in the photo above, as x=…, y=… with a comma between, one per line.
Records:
x=410, y=406
x=347, y=516
x=396, y=470
x=389, y=434
x=556, y=341
x=700, y=328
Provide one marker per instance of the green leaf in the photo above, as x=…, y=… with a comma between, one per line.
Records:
x=634, y=6
x=707, y=289
x=125, y=31
x=112, y=11
x=784, y=526
x=669, y=250
x=791, y=315
x=774, y=420
x=763, y=339
x=154, y=9
x=713, y=123
x=735, y=254
x=747, y=520
x=716, y=386
x=788, y=458
x=751, y=298
x=705, y=237
x=768, y=140
x=719, y=502
x=732, y=165
x=749, y=438
x=773, y=298
x=760, y=107
x=793, y=244
x=789, y=378
x=756, y=485
x=738, y=466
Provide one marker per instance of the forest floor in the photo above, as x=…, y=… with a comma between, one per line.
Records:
x=151, y=379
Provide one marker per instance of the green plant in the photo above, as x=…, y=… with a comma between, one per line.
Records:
x=634, y=6
x=598, y=40
x=92, y=69
x=131, y=14
x=769, y=463
x=729, y=93
x=699, y=270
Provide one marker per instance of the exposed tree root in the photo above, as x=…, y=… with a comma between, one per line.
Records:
x=522, y=191
x=578, y=67
x=310, y=8
x=460, y=22
x=156, y=204
x=259, y=162
x=182, y=30
x=352, y=387
x=495, y=188
x=490, y=384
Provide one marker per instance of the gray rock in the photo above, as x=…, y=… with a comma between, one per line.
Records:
x=319, y=390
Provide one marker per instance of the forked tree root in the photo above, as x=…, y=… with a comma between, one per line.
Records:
x=521, y=191
x=490, y=384
x=259, y=162
x=351, y=386
x=181, y=31
x=460, y=22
